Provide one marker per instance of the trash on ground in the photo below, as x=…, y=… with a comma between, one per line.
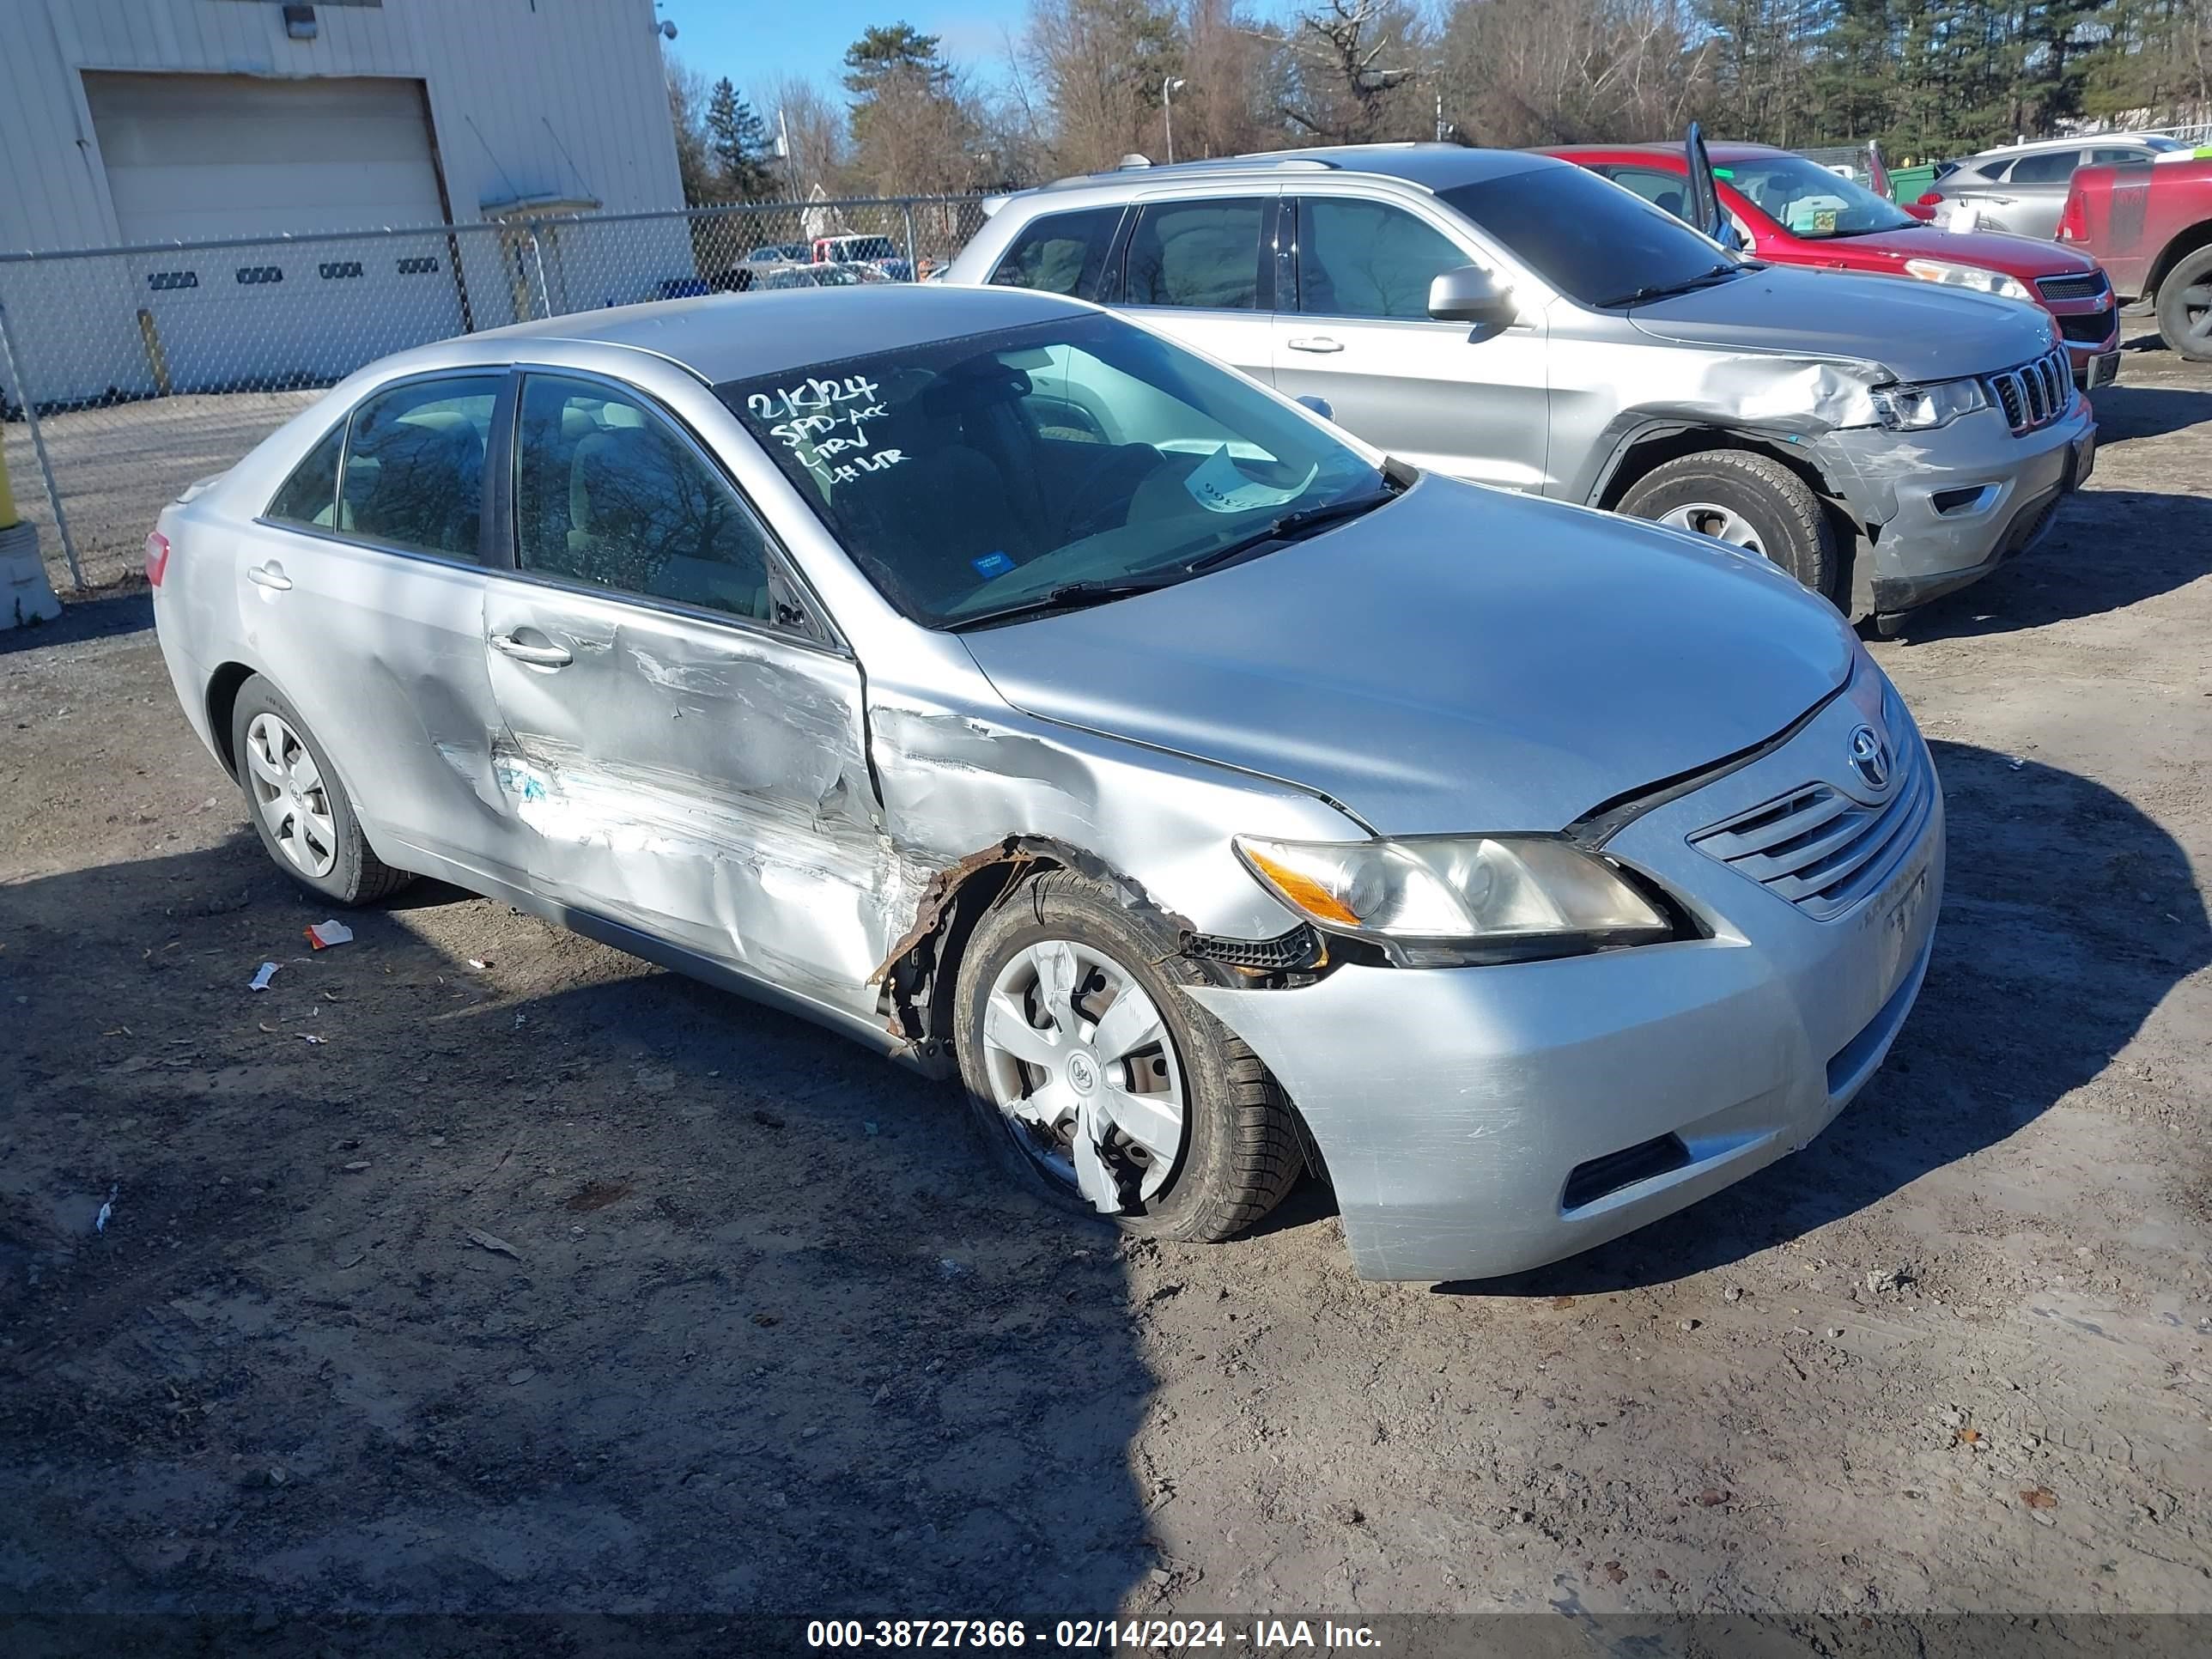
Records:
x=309, y=1036
x=324, y=934
x=2041, y=1498
x=100, y=1221
x=497, y=1246
x=261, y=980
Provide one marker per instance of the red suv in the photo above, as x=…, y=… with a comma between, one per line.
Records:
x=1795, y=212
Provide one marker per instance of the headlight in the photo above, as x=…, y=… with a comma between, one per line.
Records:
x=1977, y=277
x=1433, y=899
x=1919, y=408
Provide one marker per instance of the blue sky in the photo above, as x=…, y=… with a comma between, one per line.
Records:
x=755, y=41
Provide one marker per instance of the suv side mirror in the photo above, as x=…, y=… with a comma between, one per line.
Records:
x=1320, y=406
x=1468, y=293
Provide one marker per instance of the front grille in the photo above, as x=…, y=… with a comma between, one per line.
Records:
x=1819, y=849
x=2072, y=288
x=2092, y=329
x=2034, y=394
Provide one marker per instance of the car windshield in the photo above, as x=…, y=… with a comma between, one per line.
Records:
x=2162, y=143
x=971, y=476
x=1588, y=238
x=1807, y=200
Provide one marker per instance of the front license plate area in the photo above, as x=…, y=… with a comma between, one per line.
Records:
x=2085, y=458
x=1900, y=913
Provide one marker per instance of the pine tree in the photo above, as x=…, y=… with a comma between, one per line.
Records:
x=738, y=144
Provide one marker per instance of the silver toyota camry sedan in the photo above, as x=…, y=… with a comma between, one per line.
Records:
x=986, y=676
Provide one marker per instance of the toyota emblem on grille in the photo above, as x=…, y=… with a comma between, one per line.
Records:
x=1870, y=756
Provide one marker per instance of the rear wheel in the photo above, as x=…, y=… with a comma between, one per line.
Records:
x=1748, y=501
x=2185, y=306
x=1095, y=1080
x=298, y=806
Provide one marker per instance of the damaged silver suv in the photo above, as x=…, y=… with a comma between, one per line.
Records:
x=1885, y=442
x=999, y=683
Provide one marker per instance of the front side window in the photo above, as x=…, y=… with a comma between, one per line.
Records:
x=1590, y=241
x=966, y=477
x=414, y=465
x=606, y=494
x=1367, y=259
x=1061, y=252
x=1204, y=255
x=309, y=495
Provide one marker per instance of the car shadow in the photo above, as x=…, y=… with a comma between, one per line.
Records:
x=2110, y=549
x=560, y=1285
x=2126, y=412
x=103, y=615
x=1983, y=1052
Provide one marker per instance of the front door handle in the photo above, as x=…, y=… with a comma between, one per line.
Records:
x=1315, y=343
x=537, y=656
x=268, y=576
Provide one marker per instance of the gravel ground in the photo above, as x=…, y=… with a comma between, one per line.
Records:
x=756, y=1329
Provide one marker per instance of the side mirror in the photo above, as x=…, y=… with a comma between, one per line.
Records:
x=1468, y=293
x=1728, y=236
x=1320, y=406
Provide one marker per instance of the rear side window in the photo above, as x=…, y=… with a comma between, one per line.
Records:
x=1060, y=253
x=1667, y=191
x=414, y=465
x=1204, y=255
x=1367, y=259
x=2047, y=170
x=309, y=495
x=607, y=494
x=2120, y=158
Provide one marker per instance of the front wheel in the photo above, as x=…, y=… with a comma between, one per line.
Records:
x=2185, y=306
x=1095, y=1079
x=1747, y=500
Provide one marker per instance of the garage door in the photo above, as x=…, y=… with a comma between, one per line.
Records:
x=195, y=158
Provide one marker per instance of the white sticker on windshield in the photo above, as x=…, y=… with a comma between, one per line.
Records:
x=1216, y=485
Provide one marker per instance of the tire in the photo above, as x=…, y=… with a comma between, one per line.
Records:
x=324, y=850
x=1236, y=1152
x=2185, y=306
x=1749, y=500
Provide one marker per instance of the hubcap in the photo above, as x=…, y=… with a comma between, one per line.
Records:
x=2196, y=309
x=290, y=793
x=1720, y=523
x=1080, y=1063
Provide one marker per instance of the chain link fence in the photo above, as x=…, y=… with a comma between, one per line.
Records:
x=125, y=374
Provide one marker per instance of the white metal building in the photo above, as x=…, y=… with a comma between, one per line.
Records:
x=136, y=123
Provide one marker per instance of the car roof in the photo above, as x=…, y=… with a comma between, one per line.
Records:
x=2079, y=141
x=1431, y=165
x=1720, y=153
x=736, y=337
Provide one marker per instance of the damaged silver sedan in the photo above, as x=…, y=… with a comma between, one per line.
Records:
x=997, y=682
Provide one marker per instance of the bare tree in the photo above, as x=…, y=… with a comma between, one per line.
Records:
x=1353, y=71
x=810, y=126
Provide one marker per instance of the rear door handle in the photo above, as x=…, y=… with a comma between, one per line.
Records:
x=537, y=656
x=268, y=576
x=1315, y=343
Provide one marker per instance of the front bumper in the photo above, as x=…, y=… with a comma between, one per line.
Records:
x=1944, y=508
x=1475, y=1121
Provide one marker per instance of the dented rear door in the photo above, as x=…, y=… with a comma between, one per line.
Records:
x=682, y=743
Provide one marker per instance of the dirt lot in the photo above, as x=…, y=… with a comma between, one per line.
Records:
x=767, y=1336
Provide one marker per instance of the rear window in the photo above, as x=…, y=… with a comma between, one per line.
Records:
x=1060, y=253
x=2047, y=170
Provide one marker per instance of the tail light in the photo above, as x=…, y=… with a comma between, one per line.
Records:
x=157, y=558
x=1933, y=198
x=2073, y=221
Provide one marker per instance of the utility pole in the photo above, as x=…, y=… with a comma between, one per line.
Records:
x=1169, y=84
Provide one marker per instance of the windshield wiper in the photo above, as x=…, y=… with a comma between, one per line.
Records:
x=1292, y=525
x=1663, y=290
x=1067, y=596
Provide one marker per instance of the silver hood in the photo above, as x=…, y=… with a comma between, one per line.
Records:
x=1917, y=331
x=1461, y=659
